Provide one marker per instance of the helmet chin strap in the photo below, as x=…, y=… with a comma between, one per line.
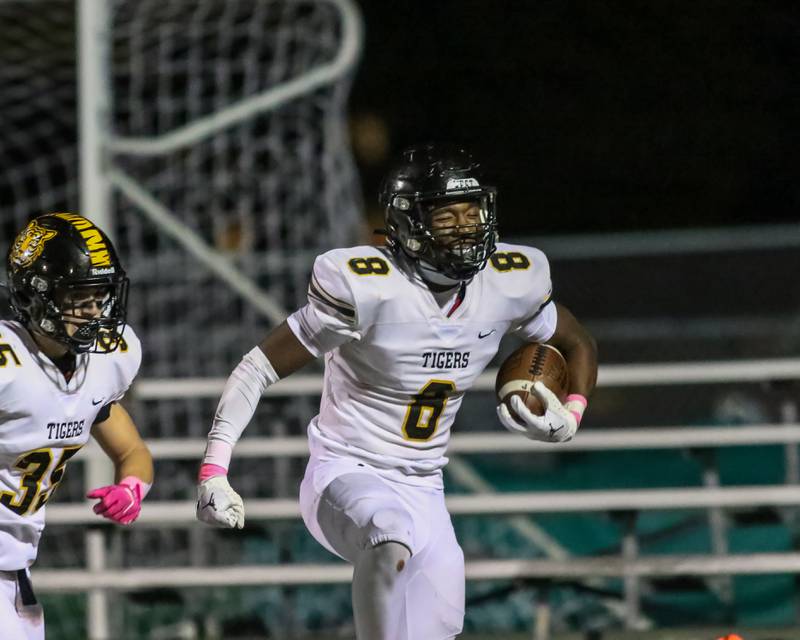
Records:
x=432, y=276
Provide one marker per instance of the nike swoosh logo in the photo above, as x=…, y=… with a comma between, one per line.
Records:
x=554, y=431
x=482, y=335
x=96, y=402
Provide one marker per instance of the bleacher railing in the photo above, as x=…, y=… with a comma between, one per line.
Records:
x=98, y=578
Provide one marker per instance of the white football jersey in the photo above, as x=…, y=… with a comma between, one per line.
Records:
x=44, y=421
x=396, y=366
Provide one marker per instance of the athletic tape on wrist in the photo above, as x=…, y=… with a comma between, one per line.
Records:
x=576, y=404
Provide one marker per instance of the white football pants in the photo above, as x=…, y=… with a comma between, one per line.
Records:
x=348, y=506
x=20, y=615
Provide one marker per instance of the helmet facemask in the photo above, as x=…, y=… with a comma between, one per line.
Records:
x=457, y=251
x=84, y=316
x=93, y=315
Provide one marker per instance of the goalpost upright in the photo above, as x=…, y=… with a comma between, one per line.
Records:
x=94, y=104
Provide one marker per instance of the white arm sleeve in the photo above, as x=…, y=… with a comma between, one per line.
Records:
x=239, y=400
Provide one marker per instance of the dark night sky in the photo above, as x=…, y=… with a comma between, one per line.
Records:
x=598, y=115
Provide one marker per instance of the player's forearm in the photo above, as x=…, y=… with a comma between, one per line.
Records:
x=137, y=463
x=121, y=442
x=238, y=403
x=579, y=349
x=581, y=357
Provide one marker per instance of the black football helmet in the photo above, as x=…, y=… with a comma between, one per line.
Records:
x=59, y=258
x=428, y=177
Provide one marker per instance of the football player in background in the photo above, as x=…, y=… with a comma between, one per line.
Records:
x=64, y=364
x=405, y=330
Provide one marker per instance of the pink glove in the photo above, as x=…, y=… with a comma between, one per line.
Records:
x=120, y=502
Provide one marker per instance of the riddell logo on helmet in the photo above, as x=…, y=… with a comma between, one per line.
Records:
x=454, y=184
x=104, y=271
x=98, y=251
x=29, y=244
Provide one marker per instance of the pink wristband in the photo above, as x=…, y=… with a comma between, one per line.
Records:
x=208, y=470
x=576, y=404
x=577, y=397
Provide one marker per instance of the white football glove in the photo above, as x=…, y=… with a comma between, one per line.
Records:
x=218, y=504
x=558, y=424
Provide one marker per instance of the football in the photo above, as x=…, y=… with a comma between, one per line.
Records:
x=531, y=363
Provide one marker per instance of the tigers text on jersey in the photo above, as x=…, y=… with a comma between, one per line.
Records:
x=44, y=421
x=396, y=366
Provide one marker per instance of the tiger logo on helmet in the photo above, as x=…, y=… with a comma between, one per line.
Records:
x=29, y=244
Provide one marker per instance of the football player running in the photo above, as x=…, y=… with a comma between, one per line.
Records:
x=64, y=364
x=405, y=330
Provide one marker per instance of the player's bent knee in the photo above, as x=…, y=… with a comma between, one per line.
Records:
x=385, y=562
x=393, y=554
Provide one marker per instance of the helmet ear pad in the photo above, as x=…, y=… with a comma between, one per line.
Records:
x=37, y=310
x=412, y=235
x=24, y=301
